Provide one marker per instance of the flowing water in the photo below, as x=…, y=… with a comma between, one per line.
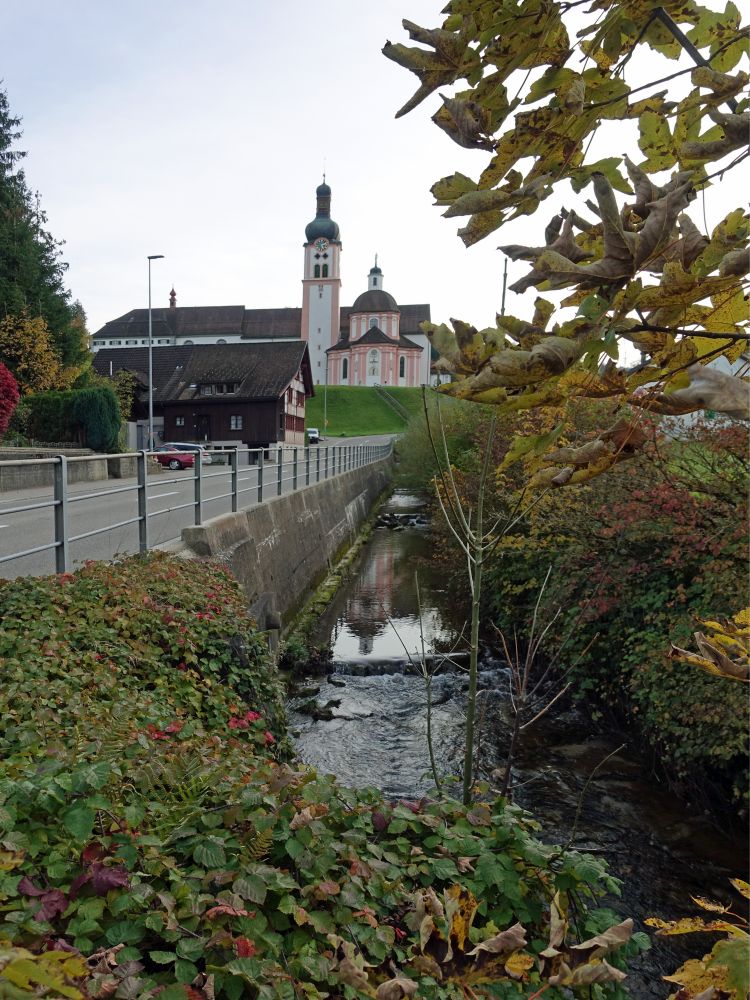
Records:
x=368, y=727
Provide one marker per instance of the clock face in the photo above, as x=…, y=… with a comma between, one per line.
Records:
x=321, y=244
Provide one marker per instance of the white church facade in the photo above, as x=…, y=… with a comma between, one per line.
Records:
x=372, y=342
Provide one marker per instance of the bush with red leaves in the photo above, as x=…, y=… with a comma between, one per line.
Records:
x=9, y=396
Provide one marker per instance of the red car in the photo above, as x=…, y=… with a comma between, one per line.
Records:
x=175, y=459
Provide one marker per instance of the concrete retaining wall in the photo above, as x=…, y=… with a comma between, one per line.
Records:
x=282, y=548
x=32, y=475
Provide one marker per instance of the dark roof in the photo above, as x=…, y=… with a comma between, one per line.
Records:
x=263, y=371
x=135, y=359
x=271, y=323
x=374, y=336
x=195, y=322
x=374, y=300
x=202, y=321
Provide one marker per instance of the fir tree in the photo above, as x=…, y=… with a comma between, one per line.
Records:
x=31, y=265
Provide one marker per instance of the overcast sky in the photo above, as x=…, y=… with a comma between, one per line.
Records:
x=200, y=131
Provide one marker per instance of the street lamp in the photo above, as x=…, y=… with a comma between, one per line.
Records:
x=154, y=256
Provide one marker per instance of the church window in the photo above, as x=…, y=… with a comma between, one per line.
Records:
x=402, y=367
x=325, y=270
x=317, y=271
x=373, y=321
x=373, y=363
x=345, y=368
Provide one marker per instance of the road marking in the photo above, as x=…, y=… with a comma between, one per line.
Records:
x=157, y=496
x=4, y=525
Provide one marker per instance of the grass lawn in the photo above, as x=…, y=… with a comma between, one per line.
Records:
x=357, y=409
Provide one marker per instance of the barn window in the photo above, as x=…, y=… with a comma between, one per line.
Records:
x=235, y=422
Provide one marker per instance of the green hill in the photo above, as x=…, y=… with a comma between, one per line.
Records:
x=357, y=409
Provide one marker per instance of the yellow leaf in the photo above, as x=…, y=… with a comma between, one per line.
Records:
x=709, y=904
x=10, y=860
x=519, y=963
x=742, y=887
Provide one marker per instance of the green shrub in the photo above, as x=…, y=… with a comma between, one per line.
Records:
x=97, y=411
x=90, y=416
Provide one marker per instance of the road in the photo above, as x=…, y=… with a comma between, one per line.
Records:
x=171, y=507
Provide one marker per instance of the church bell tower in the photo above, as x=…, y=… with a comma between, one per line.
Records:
x=321, y=284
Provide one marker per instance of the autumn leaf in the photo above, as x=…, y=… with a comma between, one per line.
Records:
x=506, y=941
x=395, y=989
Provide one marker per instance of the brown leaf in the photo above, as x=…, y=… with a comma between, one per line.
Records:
x=735, y=128
x=222, y=910
x=659, y=226
x=466, y=122
x=614, y=937
x=709, y=389
x=352, y=975
x=586, y=975
x=395, y=989
x=506, y=941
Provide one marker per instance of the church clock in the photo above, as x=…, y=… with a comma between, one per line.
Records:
x=321, y=244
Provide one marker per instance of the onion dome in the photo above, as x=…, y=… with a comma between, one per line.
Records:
x=322, y=225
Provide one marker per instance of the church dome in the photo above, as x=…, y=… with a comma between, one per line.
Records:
x=374, y=300
x=322, y=224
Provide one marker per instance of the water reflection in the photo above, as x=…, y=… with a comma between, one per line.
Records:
x=377, y=616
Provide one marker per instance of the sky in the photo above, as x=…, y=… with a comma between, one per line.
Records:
x=201, y=131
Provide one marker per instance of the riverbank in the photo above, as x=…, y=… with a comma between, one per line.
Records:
x=366, y=722
x=157, y=841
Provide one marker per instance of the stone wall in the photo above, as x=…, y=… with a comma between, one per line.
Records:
x=32, y=474
x=282, y=548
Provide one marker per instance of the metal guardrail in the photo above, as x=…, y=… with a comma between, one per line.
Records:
x=295, y=469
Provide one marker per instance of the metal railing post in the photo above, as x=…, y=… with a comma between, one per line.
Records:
x=326, y=465
x=307, y=466
x=280, y=470
x=294, y=470
x=317, y=465
x=62, y=551
x=260, y=475
x=234, y=461
x=142, y=464
x=198, y=470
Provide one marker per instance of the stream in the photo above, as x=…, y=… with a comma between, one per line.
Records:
x=369, y=729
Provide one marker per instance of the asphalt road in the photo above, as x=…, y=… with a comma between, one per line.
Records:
x=171, y=507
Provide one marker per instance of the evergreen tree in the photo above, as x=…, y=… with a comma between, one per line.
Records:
x=31, y=267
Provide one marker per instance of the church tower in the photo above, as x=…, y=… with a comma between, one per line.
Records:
x=321, y=284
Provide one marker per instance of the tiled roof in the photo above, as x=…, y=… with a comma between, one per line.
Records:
x=195, y=322
x=263, y=371
x=271, y=323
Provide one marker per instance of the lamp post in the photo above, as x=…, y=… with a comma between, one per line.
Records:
x=154, y=256
x=325, y=401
